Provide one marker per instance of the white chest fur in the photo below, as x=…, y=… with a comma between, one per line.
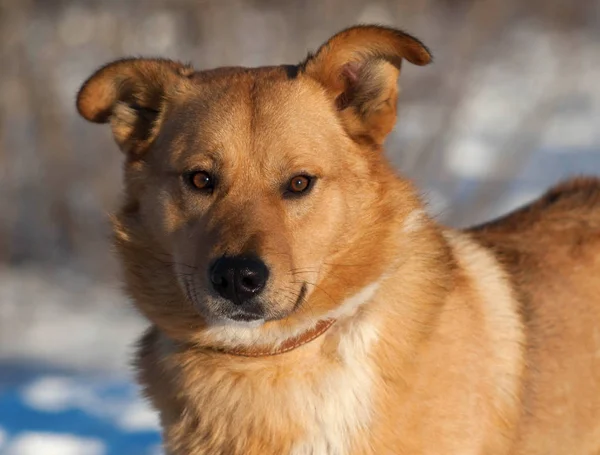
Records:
x=339, y=404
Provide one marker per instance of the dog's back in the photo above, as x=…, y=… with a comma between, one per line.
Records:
x=551, y=249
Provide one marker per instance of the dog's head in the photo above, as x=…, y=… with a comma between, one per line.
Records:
x=256, y=194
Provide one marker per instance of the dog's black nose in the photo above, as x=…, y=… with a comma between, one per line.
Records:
x=239, y=278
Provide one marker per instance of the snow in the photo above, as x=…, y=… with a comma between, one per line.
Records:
x=52, y=394
x=66, y=319
x=32, y=443
x=56, y=394
x=138, y=417
x=3, y=437
x=73, y=413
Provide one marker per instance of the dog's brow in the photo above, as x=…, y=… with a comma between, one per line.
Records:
x=204, y=159
x=297, y=164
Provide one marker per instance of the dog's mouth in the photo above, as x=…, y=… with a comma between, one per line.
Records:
x=219, y=311
x=301, y=297
x=248, y=316
x=245, y=317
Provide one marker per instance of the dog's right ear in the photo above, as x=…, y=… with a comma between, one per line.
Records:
x=131, y=95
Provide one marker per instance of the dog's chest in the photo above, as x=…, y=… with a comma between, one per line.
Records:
x=340, y=406
x=316, y=408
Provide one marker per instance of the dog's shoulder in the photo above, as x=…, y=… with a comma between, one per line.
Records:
x=550, y=250
x=555, y=238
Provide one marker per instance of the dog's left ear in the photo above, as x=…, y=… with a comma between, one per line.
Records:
x=359, y=68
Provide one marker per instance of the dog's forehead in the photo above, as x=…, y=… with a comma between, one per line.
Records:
x=254, y=111
x=254, y=94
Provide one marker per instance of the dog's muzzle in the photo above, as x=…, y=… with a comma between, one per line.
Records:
x=240, y=280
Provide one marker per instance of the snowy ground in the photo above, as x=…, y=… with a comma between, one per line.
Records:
x=56, y=412
x=65, y=383
x=64, y=319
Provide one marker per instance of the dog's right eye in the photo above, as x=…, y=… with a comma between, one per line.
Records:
x=200, y=180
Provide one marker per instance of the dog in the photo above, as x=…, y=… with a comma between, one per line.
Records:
x=301, y=299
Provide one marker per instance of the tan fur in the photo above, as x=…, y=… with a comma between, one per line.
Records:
x=485, y=341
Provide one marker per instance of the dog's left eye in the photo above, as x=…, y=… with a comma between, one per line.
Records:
x=200, y=180
x=299, y=184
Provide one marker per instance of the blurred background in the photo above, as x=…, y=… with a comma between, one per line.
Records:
x=510, y=106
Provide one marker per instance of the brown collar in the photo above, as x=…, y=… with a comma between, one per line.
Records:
x=288, y=345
